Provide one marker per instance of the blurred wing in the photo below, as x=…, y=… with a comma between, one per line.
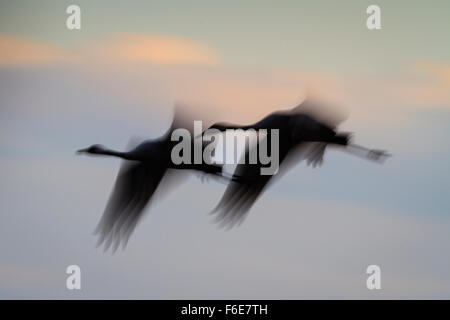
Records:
x=134, y=187
x=240, y=196
x=312, y=152
x=184, y=117
x=327, y=114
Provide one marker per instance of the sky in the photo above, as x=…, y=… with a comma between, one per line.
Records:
x=312, y=234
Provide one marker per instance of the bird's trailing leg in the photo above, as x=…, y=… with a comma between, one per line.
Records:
x=371, y=154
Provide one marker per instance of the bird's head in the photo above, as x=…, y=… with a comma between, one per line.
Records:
x=94, y=149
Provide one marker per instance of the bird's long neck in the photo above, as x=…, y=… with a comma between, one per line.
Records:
x=114, y=153
x=225, y=126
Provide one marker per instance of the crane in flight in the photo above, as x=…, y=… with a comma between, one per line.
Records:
x=303, y=135
x=138, y=179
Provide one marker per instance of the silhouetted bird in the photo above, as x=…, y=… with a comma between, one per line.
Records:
x=303, y=135
x=137, y=181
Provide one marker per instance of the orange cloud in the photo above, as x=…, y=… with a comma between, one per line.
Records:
x=167, y=50
x=433, y=88
x=123, y=48
x=439, y=70
x=21, y=51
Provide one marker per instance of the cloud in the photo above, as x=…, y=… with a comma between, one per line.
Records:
x=440, y=71
x=16, y=51
x=252, y=94
x=159, y=49
x=429, y=86
x=180, y=75
x=121, y=48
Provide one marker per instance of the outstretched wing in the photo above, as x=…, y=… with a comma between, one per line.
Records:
x=135, y=185
x=325, y=113
x=312, y=152
x=248, y=184
x=240, y=195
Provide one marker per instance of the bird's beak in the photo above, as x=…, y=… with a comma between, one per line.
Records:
x=81, y=151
